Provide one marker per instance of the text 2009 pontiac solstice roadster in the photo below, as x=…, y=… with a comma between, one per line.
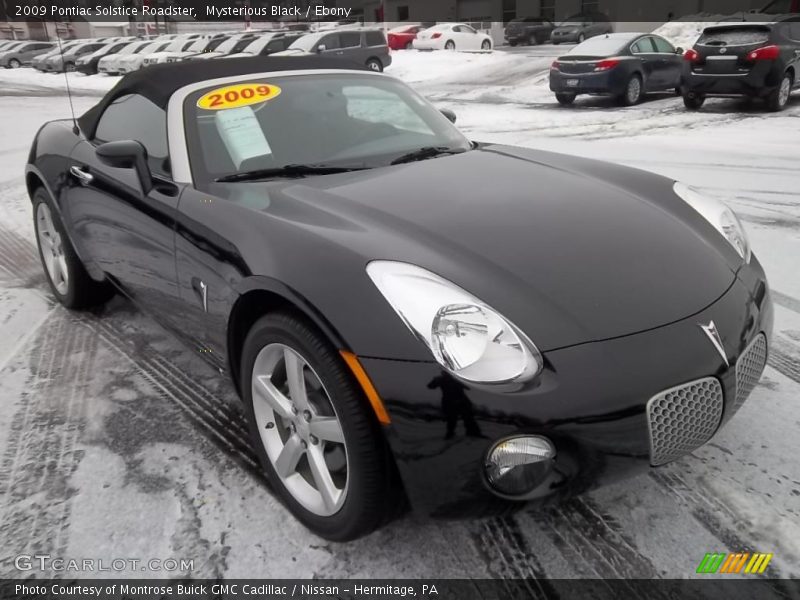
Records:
x=407, y=315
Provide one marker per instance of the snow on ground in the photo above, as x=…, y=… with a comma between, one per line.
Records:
x=107, y=446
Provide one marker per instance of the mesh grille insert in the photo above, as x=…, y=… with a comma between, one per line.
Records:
x=749, y=368
x=683, y=418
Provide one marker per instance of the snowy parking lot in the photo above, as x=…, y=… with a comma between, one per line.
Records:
x=115, y=441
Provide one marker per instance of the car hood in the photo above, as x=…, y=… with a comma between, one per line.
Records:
x=571, y=250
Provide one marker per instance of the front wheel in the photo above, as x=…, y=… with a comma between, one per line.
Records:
x=71, y=284
x=693, y=101
x=373, y=64
x=565, y=98
x=69, y=67
x=779, y=97
x=320, y=446
x=14, y=63
x=581, y=38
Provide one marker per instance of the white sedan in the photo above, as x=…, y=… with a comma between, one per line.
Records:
x=453, y=36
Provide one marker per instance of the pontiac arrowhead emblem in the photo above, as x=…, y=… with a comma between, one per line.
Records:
x=711, y=332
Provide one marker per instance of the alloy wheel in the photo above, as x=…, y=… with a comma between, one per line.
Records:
x=299, y=429
x=784, y=91
x=52, y=249
x=634, y=90
x=14, y=63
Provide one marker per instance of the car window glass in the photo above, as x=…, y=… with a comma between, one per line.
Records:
x=467, y=29
x=733, y=36
x=375, y=38
x=134, y=117
x=382, y=106
x=331, y=42
x=663, y=45
x=642, y=46
x=350, y=39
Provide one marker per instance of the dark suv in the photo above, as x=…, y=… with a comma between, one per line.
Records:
x=757, y=60
x=528, y=30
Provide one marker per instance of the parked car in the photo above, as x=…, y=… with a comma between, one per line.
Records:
x=134, y=62
x=452, y=36
x=581, y=27
x=57, y=62
x=233, y=45
x=368, y=277
x=744, y=59
x=9, y=44
x=87, y=64
x=39, y=61
x=624, y=65
x=198, y=46
x=402, y=38
x=109, y=64
x=365, y=46
x=177, y=46
x=22, y=54
x=267, y=44
x=528, y=30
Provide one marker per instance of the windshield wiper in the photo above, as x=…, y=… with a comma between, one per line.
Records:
x=426, y=152
x=286, y=171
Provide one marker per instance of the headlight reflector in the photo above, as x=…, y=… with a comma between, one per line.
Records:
x=465, y=336
x=719, y=215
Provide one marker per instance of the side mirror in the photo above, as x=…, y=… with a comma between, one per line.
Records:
x=451, y=116
x=127, y=154
x=322, y=48
x=679, y=50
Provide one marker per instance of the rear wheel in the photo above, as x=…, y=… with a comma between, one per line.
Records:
x=565, y=98
x=450, y=45
x=71, y=284
x=14, y=63
x=320, y=447
x=633, y=91
x=486, y=45
x=373, y=64
x=693, y=101
x=779, y=97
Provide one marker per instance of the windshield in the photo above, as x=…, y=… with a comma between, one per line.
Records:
x=352, y=121
x=254, y=47
x=306, y=43
x=229, y=44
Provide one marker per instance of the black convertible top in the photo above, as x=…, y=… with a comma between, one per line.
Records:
x=159, y=82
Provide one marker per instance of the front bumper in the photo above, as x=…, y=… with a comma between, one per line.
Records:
x=590, y=401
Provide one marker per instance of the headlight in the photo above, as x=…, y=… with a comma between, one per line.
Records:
x=719, y=215
x=465, y=336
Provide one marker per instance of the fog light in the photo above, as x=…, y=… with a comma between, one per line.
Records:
x=516, y=466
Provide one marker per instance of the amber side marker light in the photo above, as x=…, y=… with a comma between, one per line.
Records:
x=366, y=385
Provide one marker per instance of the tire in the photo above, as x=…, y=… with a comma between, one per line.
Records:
x=373, y=64
x=14, y=64
x=693, y=101
x=581, y=38
x=565, y=98
x=77, y=289
x=69, y=67
x=555, y=43
x=450, y=45
x=366, y=498
x=486, y=45
x=634, y=90
x=779, y=97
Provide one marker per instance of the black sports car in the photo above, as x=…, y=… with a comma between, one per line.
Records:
x=407, y=315
x=624, y=65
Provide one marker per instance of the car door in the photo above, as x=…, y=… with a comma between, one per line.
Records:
x=331, y=44
x=468, y=38
x=350, y=42
x=644, y=50
x=128, y=234
x=670, y=63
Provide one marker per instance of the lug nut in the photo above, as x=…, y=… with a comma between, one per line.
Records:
x=307, y=415
x=313, y=439
x=270, y=425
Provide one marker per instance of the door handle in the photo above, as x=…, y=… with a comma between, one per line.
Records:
x=201, y=289
x=82, y=176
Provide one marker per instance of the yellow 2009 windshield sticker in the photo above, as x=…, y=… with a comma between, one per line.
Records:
x=235, y=96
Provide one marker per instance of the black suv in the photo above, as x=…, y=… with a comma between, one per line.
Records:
x=528, y=30
x=757, y=60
